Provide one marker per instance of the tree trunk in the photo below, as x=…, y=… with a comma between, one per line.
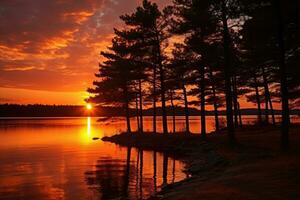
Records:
x=141, y=106
x=267, y=94
x=186, y=110
x=162, y=86
x=259, y=118
x=137, y=113
x=213, y=87
x=283, y=79
x=227, y=74
x=272, y=111
x=202, y=97
x=128, y=118
x=235, y=101
x=240, y=115
x=173, y=113
x=268, y=97
x=127, y=111
x=266, y=110
x=154, y=99
x=163, y=103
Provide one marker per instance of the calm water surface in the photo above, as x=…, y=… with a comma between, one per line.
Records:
x=56, y=158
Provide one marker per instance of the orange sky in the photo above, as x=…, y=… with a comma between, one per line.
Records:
x=49, y=50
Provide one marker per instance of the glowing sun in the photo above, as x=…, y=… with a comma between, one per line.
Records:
x=89, y=106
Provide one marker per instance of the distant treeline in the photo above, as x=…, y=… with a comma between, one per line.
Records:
x=37, y=110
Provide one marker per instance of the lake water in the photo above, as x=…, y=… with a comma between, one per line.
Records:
x=56, y=158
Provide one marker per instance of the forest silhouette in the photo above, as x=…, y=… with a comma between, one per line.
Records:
x=230, y=49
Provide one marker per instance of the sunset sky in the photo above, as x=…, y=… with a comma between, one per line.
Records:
x=49, y=49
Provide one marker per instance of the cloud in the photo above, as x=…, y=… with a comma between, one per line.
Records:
x=54, y=45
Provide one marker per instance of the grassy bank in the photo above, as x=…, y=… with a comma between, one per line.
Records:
x=255, y=169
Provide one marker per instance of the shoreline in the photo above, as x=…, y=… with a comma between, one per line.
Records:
x=198, y=155
x=219, y=168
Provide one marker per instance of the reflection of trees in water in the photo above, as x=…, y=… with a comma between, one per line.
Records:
x=124, y=179
x=165, y=169
x=140, y=187
x=173, y=171
x=154, y=172
x=111, y=177
x=127, y=173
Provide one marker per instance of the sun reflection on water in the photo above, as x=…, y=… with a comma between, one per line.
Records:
x=88, y=133
x=88, y=126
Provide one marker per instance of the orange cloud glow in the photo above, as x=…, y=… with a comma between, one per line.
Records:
x=49, y=50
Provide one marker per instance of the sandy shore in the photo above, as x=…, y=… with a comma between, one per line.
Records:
x=256, y=169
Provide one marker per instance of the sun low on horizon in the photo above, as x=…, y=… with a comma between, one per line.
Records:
x=89, y=106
